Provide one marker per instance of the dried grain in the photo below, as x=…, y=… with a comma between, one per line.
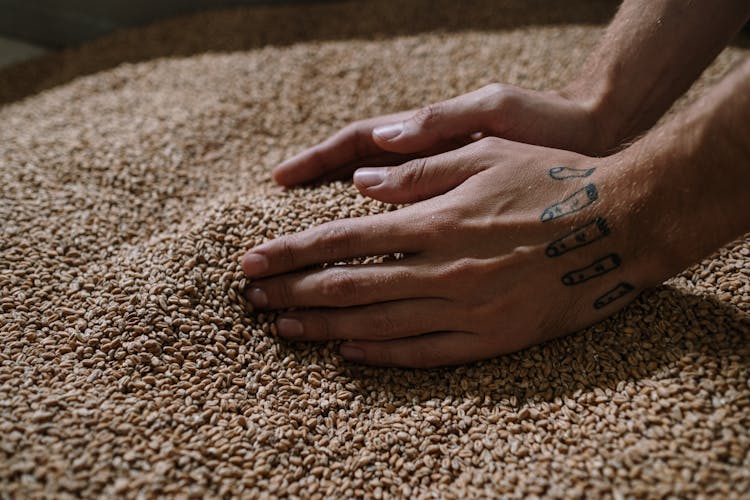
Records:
x=131, y=366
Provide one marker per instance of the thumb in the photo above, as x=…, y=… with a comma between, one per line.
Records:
x=416, y=180
x=454, y=119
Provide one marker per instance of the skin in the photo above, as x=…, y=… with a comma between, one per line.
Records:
x=477, y=279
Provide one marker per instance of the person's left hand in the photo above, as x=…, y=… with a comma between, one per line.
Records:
x=513, y=244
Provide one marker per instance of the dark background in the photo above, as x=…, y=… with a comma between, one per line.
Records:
x=56, y=23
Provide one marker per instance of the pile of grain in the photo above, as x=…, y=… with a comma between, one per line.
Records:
x=129, y=364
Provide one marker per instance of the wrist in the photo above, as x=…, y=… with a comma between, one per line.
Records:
x=661, y=224
x=593, y=96
x=678, y=197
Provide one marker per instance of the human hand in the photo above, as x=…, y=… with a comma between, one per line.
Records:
x=514, y=244
x=543, y=118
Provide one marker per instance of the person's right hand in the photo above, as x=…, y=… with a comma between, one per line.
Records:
x=542, y=118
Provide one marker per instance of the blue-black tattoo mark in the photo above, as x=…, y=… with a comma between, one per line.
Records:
x=573, y=203
x=594, y=230
x=560, y=173
x=597, y=268
x=614, y=294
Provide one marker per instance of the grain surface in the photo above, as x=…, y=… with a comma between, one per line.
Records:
x=130, y=365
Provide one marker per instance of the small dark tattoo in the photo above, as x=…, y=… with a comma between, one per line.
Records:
x=594, y=230
x=614, y=294
x=597, y=268
x=560, y=173
x=573, y=203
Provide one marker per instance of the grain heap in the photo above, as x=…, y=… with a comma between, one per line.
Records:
x=129, y=364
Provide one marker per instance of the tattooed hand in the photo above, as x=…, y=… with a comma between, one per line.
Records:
x=513, y=244
x=543, y=118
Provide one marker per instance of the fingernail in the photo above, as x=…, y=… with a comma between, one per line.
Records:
x=289, y=328
x=388, y=132
x=257, y=297
x=369, y=177
x=254, y=264
x=352, y=353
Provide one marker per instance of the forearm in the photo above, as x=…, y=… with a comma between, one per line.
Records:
x=650, y=55
x=693, y=178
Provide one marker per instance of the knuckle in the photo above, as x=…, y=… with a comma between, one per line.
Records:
x=414, y=173
x=485, y=150
x=428, y=115
x=485, y=308
x=349, y=131
x=435, y=225
x=362, y=138
x=335, y=239
x=454, y=269
x=318, y=160
x=498, y=95
x=383, y=326
x=339, y=284
x=503, y=101
x=359, y=134
x=321, y=327
x=489, y=144
x=461, y=270
x=286, y=248
x=383, y=356
x=283, y=294
x=494, y=89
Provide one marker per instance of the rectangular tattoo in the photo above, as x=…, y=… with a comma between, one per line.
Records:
x=614, y=294
x=573, y=203
x=560, y=173
x=597, y=268
x=594, y=230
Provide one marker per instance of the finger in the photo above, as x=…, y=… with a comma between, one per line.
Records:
x=377, y=160
x=353, y=142
x=382, y=321
x=385, y=159
x=380, y=234
x=425, y=351
x=422, y=178
x=340, y=286
x=459, y=117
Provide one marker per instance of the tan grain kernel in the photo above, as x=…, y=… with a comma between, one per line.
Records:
x=133, y=367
